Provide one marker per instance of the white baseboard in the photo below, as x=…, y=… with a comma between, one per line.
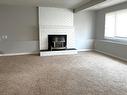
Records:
x=14, y=54
x=80, y=50
x=27, y=53
x=110, y=55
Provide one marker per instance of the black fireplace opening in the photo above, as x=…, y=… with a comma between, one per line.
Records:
x=57, y=42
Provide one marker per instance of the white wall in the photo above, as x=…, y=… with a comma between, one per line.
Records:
x=20, y=26
x=84, y=22
x=110, y=47
x=54, y=21
x=55, y=16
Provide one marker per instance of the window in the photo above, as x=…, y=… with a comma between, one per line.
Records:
x=116, y=25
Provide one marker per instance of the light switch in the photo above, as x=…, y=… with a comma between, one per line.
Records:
x=5, y=36
x=2, y=37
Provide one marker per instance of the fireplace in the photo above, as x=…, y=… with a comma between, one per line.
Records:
x=57, y=42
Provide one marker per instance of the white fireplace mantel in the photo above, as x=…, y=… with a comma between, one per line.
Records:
x=56, y=30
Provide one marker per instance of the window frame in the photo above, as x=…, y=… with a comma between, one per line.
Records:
x=114, y=38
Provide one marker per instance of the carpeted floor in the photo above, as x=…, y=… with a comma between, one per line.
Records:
x=87, y=73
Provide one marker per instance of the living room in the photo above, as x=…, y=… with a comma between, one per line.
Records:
x=61, y=47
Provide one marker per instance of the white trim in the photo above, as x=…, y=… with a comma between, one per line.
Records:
x=113, y=42
x=80, y=50
x=14, y=54
x=55, y=27
x=117, y=39
x=110, y=55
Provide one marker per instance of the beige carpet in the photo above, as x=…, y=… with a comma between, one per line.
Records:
x=83, y=74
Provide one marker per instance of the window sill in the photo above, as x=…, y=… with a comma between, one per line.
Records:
x=120, y=41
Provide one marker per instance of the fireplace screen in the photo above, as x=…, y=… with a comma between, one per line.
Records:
x=57, y=42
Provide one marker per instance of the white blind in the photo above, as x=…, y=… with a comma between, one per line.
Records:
x=116, y=24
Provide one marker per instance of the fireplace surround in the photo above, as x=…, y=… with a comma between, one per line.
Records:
x=57, y=42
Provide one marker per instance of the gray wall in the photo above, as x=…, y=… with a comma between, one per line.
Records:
x=84, y=23
x=110, y=47
x=20, y=24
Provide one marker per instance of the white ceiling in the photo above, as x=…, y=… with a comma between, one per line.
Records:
x=46, y=3
x=60, y=3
